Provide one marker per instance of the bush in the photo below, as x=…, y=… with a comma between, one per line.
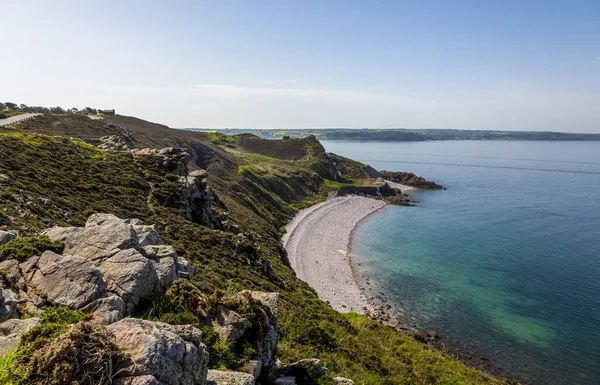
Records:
x=86, y=354
x=24, y=248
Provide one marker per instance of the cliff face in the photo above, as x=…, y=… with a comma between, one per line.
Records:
x=220, y=203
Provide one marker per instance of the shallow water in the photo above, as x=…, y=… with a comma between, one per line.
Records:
x=505, y=264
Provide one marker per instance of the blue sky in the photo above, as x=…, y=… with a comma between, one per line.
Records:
x=510, y=65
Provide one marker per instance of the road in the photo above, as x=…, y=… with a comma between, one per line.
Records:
x=15, y=119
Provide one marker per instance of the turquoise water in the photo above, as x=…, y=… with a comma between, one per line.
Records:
x=505, y=264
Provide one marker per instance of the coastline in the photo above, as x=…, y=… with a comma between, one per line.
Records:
x=318, y=242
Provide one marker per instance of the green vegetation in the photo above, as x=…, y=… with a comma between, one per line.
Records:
x=16, y=366
x=260, y=184
x=24, y=248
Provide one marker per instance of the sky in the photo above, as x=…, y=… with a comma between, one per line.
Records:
x=504, y=65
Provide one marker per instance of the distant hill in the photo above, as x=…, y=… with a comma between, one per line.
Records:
x=407, y=135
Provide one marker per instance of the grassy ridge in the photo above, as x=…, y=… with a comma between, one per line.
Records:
x=62, y=181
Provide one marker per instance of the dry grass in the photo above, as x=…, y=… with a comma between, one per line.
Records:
x=86, y=354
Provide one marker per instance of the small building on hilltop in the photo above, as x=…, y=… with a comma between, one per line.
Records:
x=107, y=112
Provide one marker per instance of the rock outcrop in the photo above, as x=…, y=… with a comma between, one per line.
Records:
x=107, y=267
x=410, y=179
x=219, y=377
x=172, y=354
x=11, y=331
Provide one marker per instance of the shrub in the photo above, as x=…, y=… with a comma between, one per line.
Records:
x=85, y=354
x=24, y=248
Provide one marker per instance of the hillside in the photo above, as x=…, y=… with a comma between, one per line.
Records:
x=55, y=172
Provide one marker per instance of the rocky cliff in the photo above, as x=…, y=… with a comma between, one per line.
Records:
x=205, y=201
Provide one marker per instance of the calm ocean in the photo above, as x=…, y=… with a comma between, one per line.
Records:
x=505, y=264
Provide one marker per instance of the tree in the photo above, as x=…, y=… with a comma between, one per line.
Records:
x=2, y=106
x=57, y=110
x=88, y=110
x=23, y=107
x=74, y=110
x=12, y=106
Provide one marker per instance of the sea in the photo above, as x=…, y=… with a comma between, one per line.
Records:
x=505, y=264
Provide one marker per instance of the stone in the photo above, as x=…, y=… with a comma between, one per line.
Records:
x=252, y=367
x=432, y=335
x=12, y=273
x=7, y=236
x=131, y=276
x=285, y=381
x=172, y=354
x=106, y=310
x=184, y=268
x=4, y=179
x=137, y=380
x=103, y=236
x=8, y=304
x=220, y=377
x=166, y=273
x=11, y=331
x=158, y=252
x=309, y=367
x=67, y=280
x=229, y=325
x=342, y=381
x=147, y=235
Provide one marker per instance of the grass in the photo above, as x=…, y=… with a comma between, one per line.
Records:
x=23, y=248
x=57, y=180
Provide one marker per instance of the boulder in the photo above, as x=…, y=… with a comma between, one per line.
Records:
x=65, y=279
x=229, y=325
x=308, y=370
x=184, y=268
x=103, y=236
x=13, y=276
x=131, y=276
x=106, y=310
x=172, y=354
x=11, y=331
x=7, y=236
x=147, y=235
x=137, y=380
x=219, y=377
x=8, y=304
x=342, y=381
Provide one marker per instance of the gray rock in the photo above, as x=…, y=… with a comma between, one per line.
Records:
x=11, y=331
x=166, y=273
x=219, y=377
x=103, y=236
x=342, y=381
x=158, y=252
x=285, y=381
x=311, y=367
x=170, y=353
x=66, y=280
x=229, y=325
x=147, y=235
x=138, y=380
x=184, y=268
x=252, y=367
x=8, y=304
x=106, y=310
x=131, y=276
x=13, y=276
x=7, y=236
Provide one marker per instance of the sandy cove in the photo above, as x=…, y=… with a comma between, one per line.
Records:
x=318, y=241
